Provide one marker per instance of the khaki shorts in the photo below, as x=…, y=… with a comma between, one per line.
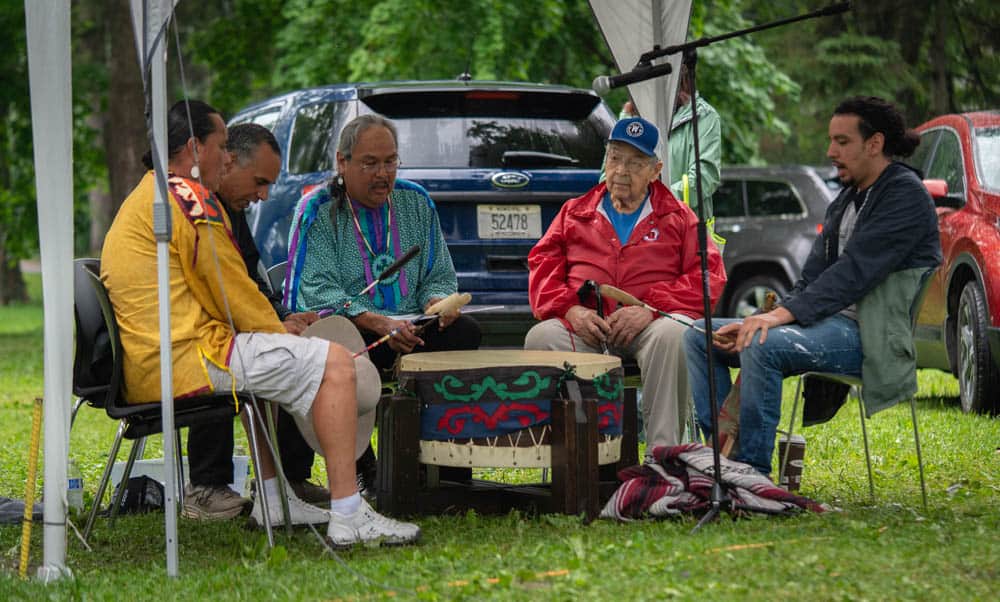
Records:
x=283, y=368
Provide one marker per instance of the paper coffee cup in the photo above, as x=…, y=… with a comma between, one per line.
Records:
x=791, y=476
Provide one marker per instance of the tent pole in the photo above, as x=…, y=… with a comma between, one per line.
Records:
x=48, y=29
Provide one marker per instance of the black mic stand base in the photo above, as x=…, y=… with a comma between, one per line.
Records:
x=719, y=502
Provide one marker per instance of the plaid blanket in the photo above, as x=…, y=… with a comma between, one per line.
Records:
x=680, y=480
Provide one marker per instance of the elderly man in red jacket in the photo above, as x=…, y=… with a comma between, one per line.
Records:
x=630, y=232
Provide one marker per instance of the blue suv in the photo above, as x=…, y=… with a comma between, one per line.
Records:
x=499, y=159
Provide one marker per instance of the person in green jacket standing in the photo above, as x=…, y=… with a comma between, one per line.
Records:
x=681, y=144
x=680, y=155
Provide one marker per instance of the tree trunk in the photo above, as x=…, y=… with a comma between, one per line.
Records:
x=124, y=131
x=941, y=100
x=12, y=288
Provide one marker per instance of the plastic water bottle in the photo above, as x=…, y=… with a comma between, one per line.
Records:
x=74, y=493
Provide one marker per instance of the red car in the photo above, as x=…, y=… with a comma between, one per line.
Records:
x=958, y=328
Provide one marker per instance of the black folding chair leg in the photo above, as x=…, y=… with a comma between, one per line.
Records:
x=137, y=446
x=76, y=408
x=105, y=478
x=180, y=468
x=920, y=457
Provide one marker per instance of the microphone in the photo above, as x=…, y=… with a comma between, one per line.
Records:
x=604, y=83
x=392, y=269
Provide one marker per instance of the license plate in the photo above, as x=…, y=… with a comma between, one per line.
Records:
x=509, y=221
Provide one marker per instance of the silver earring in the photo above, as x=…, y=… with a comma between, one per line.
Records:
x=340, y=181
x=195, y=173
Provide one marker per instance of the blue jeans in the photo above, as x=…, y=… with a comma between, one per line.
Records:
x=830, y=345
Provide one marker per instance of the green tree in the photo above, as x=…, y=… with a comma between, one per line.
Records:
x=242, y=51
x=928, y=56
x=740, y=80
x=18, y=214
x=18, y=207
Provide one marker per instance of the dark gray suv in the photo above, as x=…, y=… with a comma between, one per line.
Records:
x=770, y=217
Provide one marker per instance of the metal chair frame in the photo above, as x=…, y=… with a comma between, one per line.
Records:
x=856, y=391
x=856, y=387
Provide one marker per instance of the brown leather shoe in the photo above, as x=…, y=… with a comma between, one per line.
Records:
x=311, y=492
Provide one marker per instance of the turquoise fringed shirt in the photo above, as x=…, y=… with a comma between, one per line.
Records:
x=330, y=260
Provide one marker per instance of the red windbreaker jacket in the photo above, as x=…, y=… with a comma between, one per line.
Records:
x=659, y=264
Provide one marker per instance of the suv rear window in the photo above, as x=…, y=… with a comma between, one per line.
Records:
x=476, y=128
x=314, y=137
x=763, y=198
x=495, y=128
x=772, y=198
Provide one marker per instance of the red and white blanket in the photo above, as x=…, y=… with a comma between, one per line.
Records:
x=680, y=480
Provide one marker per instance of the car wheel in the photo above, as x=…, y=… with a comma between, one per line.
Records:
x=748, y=296
x=977, y=373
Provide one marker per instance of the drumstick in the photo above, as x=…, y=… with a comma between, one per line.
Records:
x=588, y=288
x=452, y=302
x=389, y=271
x=621, y=296
x=600, y=313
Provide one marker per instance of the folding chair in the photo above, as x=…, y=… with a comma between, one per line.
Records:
x=137, y=421
x=857, y=392
x=92, y=357
x=276, y=276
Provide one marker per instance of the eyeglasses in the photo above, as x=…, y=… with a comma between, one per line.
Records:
x=373, y=166
x=634, y=165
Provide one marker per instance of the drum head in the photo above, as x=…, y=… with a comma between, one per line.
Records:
x=338, y=329
x=587, y=365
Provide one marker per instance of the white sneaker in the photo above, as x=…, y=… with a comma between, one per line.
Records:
x=369, y=527
x=301, y=513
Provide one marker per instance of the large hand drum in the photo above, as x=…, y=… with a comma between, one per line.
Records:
x=339, y=329
x=492, y=408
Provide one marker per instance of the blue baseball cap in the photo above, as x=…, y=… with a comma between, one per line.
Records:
x=638, y=132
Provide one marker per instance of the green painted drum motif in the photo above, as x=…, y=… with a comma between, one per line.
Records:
x=493, y=401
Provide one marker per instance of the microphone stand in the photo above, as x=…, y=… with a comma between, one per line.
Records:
x=719, y=498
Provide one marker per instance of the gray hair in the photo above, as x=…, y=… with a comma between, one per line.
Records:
x=355, y=127
x=245, y=138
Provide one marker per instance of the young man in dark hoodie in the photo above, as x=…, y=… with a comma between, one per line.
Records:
x=881, y=225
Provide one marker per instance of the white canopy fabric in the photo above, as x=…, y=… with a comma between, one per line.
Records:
x=633, y=27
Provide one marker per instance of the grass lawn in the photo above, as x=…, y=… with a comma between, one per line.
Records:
x=891, y=549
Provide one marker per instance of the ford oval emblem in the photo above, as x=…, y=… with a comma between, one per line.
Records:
x=510, y=179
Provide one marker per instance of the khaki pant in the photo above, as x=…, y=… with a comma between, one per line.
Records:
x=659, y=351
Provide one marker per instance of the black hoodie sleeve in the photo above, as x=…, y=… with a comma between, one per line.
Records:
x=896, y=223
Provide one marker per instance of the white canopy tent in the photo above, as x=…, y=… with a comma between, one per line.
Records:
x=633, y=27
x=49, y=64
x=630, y=27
